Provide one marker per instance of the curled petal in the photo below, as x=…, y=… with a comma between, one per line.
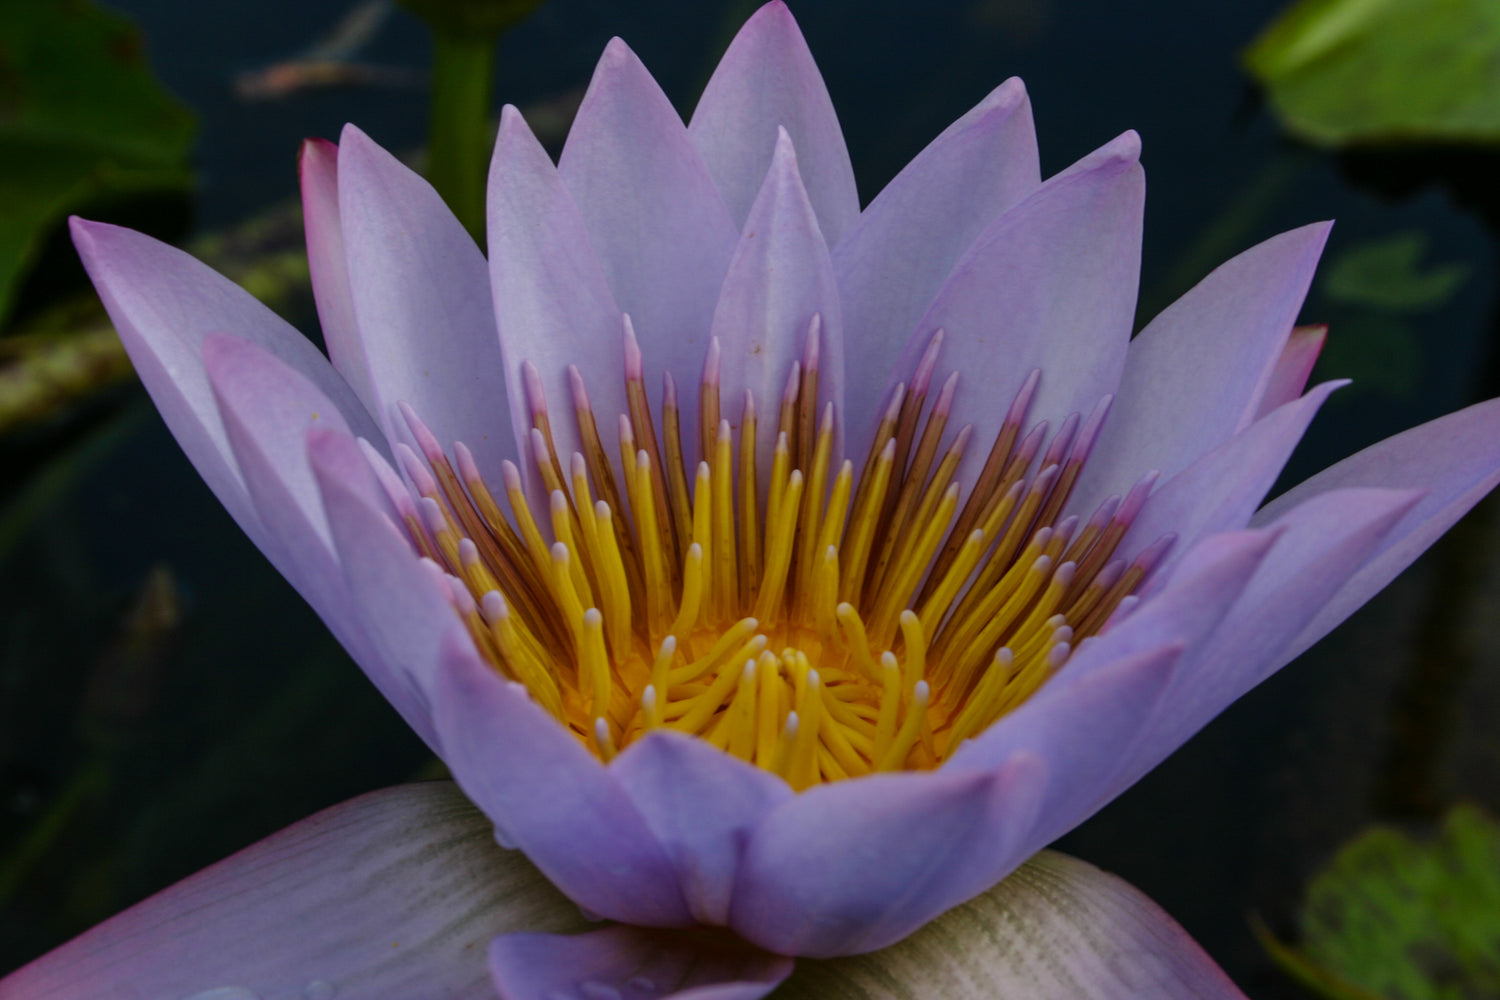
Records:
x=389, y=895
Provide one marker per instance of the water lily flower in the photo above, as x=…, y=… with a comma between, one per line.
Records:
x=582, y=510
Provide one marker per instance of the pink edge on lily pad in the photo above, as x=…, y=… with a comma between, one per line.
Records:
x=394, y=894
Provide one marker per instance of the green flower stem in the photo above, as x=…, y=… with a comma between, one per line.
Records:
x=463, y=73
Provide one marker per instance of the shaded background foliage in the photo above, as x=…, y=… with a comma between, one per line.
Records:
x=165, y=698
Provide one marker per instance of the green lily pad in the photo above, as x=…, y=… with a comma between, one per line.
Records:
x=81, y=118
x=1387, y=274
x=1396, y=918
x=1342, y=72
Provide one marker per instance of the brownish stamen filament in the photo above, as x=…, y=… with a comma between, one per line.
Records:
x=818, y=618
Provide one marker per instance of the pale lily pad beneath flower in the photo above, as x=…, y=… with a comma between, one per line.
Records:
x=1396, y=918
x=1056, y=929
x=397, y=893
x=1341, y=72
x=81, y=117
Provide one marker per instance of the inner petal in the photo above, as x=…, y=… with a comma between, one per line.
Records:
x=819, y=619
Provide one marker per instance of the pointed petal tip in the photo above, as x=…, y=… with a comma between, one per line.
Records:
x=1004, y=99
x=775, y=13
x=316, y=156
x=353, y=132
x=82, y=230
x=1310, y=238
x=1116, y=156
x=316, y=145
x=1124, y=148
x=616, y=52
x=784, y=146
x=94, y=239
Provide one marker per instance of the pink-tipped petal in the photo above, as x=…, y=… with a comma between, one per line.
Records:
x=629, y=962
x=163, y=303
x=1220, y=490
x=894, y=260
x=1050, y=284
x=1455, y=458
x=553, y=798
x=1057, y=929
x=857, y=865
x=328, y=266
x=780, y=278
x=552, y=301
x=1210, y=354
x=702, y=804
x=653, y=214
x=392, y=895
x=1294, y=366
x=768, y=81
x=421, y=296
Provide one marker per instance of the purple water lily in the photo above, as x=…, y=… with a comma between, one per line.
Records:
x=743, y=697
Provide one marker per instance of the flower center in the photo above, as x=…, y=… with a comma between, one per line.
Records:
x=823, y=623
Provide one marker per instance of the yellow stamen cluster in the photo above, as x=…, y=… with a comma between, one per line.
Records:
x=821, y=624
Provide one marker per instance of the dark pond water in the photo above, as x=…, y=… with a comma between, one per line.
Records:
x=129, y=759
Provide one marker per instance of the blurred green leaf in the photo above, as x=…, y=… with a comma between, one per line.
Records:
x=1401, y=919
x=1363, y=71
x=1386, y=274
x=81, y=118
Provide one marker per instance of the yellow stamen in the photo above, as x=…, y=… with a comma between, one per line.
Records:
x=850, y=621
